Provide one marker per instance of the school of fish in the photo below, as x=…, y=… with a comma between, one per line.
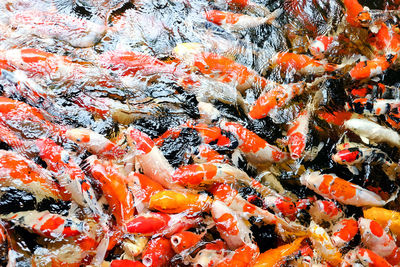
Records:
x=199, y=133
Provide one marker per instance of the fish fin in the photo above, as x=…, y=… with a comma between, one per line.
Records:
x=364, y=139
x=353, y=169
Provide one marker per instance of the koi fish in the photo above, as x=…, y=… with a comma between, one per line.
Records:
x=69, y=174
x=321, y=45
x=24, y=174
x=236, y=22
x=301, y=64
x=371, y=131
x=46, y=24
x=324, y=210
x=385, y=217
x=375, y=238
x=356, y=14
x=275, y=98
x=353, y=155
x=371, y=107
x=332, y=187
x=114, y=189
x=205, y=154
x=297, y=134
x=185, y=240
x=370, y=68
x=95, y=143
x=126, y=263
x=158, y=252
x=47, y=224
x=343, y=232
x=254, y=147
x=369, y=258
x=323, y=244
x=243, y=256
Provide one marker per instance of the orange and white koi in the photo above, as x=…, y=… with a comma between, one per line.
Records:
x=323, y=244
x=158, y=252
x=47, y=224
x=95, y=143
x=344, y=231
x=386, y=40
x=386, y=218
x=370, y=68
x=372, y=132
x=373, y=107
x=236, y=22
x=148, y=224
x=243, y=256
x=332, y=187
x=126, y=263
x=275, y=98
x=301, y=64
x=325, y=210
x=24, y=174
x=150, y=158
x=129, y=63
x=283, y=206
x=297, y=134
x=356, y=14
x=46, y=24
x=169, y=201
x=234, y=201
x=198, y=175
x=371, y=259
x=69, y=174
x=205, y=154
x=230, y=226
x=185, y=240
x=225, y=70
x=256, y=149
x=353, y=155
x=212, y=254
x=375, y=238
x=321, y=45
x=114, y=189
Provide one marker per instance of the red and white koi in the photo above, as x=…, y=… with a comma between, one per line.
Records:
x=212, y=254
x=297, y=134
x=343, y=232
x=371, y=259
x=301, y=64
x=24, y=174
x=356, y=14
x=185, y=240
x=230, y=226
x=275, y=98
x=283, y=206
x=256, y=149
x=205, y=154
x=150, y=158
x=69, y=174
x=126, y=263
x=114, y=189
x=46, y=24
x=323, y=244
x=325, y=210
x=158, y=252
x=236, y=22
x=373, y=132
x=321, y=45
x=332, y=187
x=243, y=256
x=95, y=143
x=375, y=238
x=148, y=224
x=47, y=224
x=370, y=68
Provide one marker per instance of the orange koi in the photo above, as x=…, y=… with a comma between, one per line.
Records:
x=185, y=240
x=114, y=189
x=24, y=174
x=275, y=98
x=301, y=64
x=126, y=263
x=47, y=224
x=243, y=256
x=343, y=232
x=170, y=201
x=256, y=149
x=386, y=218
x=95, y=143
x=371, y=259
x=69, y=174
x=158, y=252
x=356, y=14
x=333, y=187
x=370, y=68
x=148, y=224
x=235, y=22
x=375, y=238
x=46, y=24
